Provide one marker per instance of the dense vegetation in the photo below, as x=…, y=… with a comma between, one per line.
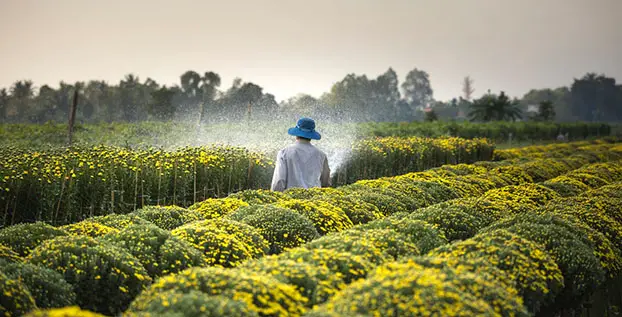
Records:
x=536, y=232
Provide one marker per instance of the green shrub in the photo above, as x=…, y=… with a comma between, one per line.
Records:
x=16, y=299
x=158, y=250
x=217, y=207
x=422, y=234
x=609, y=171
x=104, y=278
x=358, y=211
x=588, y=179
x=608, y=191
x=512, y=174
x=345, y=265
x=536, y=276
x=407, y=293
x=7, y=254
x=168, y=217
x=529, y=194
x=71, y=311
x=439, y=192
x=407, y=191
x=259, y=196
x=458, y=221
x=119, y=221
x=316, y=283
x=47, y=287
x=172, y=303
x=24, y=237
x=88, y=228
x=261, y=293
x=463, y=169
x=570, y=248
x=283, y=228
x=325, y=217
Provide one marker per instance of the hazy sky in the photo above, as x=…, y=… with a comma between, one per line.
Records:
x=293, y=46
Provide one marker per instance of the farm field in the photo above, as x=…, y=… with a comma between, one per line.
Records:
x=533, y=231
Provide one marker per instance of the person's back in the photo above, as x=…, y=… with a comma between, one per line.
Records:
x=301, y=164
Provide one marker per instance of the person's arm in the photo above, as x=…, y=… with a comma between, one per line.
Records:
x=279, y=178
x=325, y=176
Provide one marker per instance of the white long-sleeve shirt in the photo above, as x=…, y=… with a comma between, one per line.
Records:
x=300, y=165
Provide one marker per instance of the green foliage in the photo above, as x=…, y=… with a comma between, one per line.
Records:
x=566, y=186
x=158, y=250
x=386, y=205
x=70, y=311
x=16, y=299
x=261, y=293
x=23, y=238
x=168, y=217
x=192, y=303
x=104, y=278
x=258, y=196
x=283, y=228
x=357, y=210
x=491, y=107
x=47, y=287
x=119, y=221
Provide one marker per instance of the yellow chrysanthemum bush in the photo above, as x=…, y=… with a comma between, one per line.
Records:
x=316, y=283
x=88, y=228
x=424, y=235
x=119, y=221
x=571, y=249
x=24, y=237
x=258, y=246
x=387, y=205
x=158, y=250
x=377, y=245
x=512, y=174
x=609, y=171
x=70, y=311
x=404, y=290
x=357, y=210
x=456, y=220
x=325, y=217
x=541, y=170
x=463, y=169
x=258, y=196
x=477, y=278
x=535, y=274
x=192, y=303
x=566, y=186
x=9, y=255
x=519, y=198
x=16, y=299
x=47, y=287
x=217, y=207
x=478, y=182
x=437, y=191
x=407, y=190
x=409, y=203
x=261, y=293
x=613, y=190
x=105, y=278
x=587, y=178
x=219, y=247
x=283, y=228
x=309, y=193
x=168, y=217
x=596, y=212
x=347, y=266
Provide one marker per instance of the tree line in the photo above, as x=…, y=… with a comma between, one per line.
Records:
x=199, y=96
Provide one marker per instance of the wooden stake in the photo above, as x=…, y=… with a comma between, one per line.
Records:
x=72, y=115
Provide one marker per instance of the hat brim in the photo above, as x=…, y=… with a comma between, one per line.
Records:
x=304, y=134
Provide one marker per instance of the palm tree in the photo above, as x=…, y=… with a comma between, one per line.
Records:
x=495, y=108
x=21, y=96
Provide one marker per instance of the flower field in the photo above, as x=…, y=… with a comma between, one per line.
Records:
x=66, y=185
x=536, y=232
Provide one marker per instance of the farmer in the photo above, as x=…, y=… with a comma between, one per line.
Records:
x=301, y=164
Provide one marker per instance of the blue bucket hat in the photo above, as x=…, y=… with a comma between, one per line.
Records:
x=305, y=127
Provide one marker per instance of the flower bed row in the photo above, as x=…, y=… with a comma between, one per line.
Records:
x=346, y=232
